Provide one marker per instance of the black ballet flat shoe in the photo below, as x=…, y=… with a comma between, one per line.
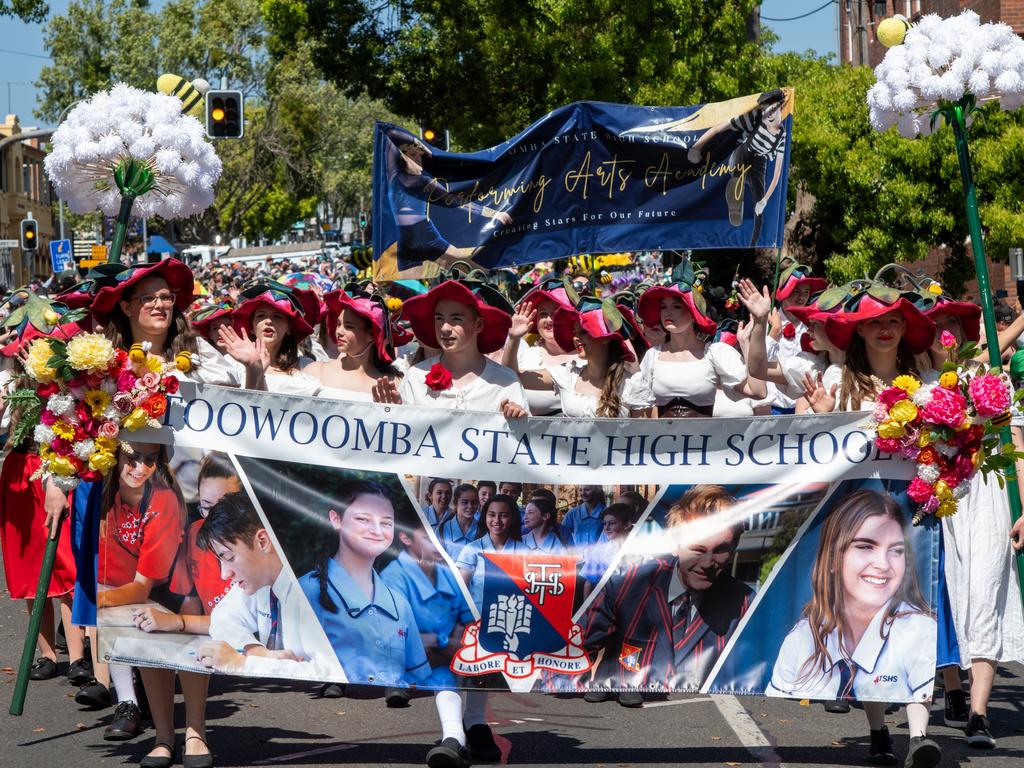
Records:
x=158, y=761
x=197, y=761
x=43, y=669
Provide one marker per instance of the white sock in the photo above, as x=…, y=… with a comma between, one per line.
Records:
x=121, y=678
x=917, y=719
x=449, y=712
x=476, y=708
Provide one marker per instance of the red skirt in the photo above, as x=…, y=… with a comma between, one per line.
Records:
x=23, y=533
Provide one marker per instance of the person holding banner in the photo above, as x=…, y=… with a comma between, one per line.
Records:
x=860, y=635
x=466, y=322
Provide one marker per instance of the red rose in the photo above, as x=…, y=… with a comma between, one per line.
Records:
x=789, y=330
x=155, y=406
x=891, y=396
x=170, y=385
x=46, y=390
x=438, y=378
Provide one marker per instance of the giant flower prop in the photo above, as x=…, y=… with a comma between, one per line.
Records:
x=126, y=148
x=945, y=60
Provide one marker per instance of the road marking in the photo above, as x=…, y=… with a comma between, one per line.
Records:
x=747, y=731
x=306, y=753
x=676, y=703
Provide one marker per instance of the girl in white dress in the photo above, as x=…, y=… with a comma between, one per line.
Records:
x=795, y=288
x=361, y=329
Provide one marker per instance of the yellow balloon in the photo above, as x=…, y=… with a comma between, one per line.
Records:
x=891, y=31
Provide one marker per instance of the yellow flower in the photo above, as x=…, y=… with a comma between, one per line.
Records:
x=63, y=429
x=101, y=461
x=891, y=429
x=137, y=419
x=903, y=411
x=949, y=380
x=90, y=352
x=935, y=289
x=106, y=444
x=924, y=439
x=154, y=364
x=39, y=354
x=51, y=317
x=61, y=465
x=46, y=453
x=908, y=384
x=946, y=508
x=393, y=303
x=943, y=491
x=97, y=400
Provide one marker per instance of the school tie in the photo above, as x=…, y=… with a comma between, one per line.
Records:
x=274, y=638
x=847, y=674
x=681, y=622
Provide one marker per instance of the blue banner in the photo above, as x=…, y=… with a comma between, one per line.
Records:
x=589, y=177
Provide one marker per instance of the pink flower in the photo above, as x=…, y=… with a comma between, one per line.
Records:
x=61, y=446
x=125, y=381
x=48, y=417
x=880, y=412
x=947, y=406
x=947, y=339
x=123, y=402
x=108, y=429
x=930, y=506
x=963, y=467
x=889, y=444
x=989, y=395
x=919, y=491
x=892, y=395
x=151, y=381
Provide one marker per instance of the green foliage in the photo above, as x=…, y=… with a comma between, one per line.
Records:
x=26, y=10
x=29, y=407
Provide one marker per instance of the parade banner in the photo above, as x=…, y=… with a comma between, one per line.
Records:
x=411, y=547
x=589, y=177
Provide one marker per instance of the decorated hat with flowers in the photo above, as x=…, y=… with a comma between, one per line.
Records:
x=113, y=281
x=876, y=301
x=933, y=302
x=494, y=308
x=687, y=286
x=555, y=289
x=301, y=307
x=369, y=307
x=796, y=275
x=598, y=318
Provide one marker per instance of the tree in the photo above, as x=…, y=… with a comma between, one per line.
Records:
x=26, y=10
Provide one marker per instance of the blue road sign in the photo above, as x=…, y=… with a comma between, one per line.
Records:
x=61, y=255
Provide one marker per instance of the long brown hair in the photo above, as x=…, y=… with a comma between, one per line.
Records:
x=609, y=404
x=824, y=613
x=181, y=337
x=856, y=385
x=162, y=478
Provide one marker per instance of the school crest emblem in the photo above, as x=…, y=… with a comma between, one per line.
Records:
x=525, y=622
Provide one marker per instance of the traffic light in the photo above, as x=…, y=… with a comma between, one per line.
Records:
x=362, y=220
x=435, y=137
x=224, y=115
x=29, y=234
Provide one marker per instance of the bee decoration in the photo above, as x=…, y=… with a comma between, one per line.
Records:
x=192, y=94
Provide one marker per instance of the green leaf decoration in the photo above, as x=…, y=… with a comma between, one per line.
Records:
x=831, y=298
x=612, y=317
x=884, y=293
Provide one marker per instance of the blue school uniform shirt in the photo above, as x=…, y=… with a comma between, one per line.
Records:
x=376, y=641
x=453, y=539
x=437, y=605
x=550, y=543
x=471, y=559
x=583, y=526
x=431, y=514
x=896, y=667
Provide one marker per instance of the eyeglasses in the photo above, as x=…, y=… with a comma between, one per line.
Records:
x=149, y=459
x=152, y=299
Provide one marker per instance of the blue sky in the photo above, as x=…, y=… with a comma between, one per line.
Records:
x=18, y=71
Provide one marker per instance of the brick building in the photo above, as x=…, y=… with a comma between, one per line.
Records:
x=24, y=188
x=857, y=20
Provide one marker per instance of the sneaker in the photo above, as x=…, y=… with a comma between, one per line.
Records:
x=957, y=711
x=332, y=691
x=924, y=753
x=80, y=672
x=481, y=744
x=881, y=751
x=43, y=669
x=596, y=696
x=978, y=733
x=631, y=699
x=127, y=723
x=396, y=698
x=93, y=695
x=448, y=754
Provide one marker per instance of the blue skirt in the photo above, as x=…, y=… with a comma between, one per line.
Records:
x=86, y=512
x=947, y=654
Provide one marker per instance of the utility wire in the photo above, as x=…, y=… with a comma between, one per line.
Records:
x=23, y=53
x=802, y=15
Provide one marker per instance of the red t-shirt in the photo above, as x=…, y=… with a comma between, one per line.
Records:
x=204, y=570
x=141, y=542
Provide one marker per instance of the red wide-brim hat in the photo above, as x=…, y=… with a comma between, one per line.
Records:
x=795, y=280
x=649, y=307
x=557, y=295
x=301, y=306
x=30, y=333
x=419, y=311
x=968, y=312
x=204, y=317
x=368, y=309
x=593, y=323
x=178, y=276
x=919, y=333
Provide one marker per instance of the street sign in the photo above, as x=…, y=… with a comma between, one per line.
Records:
x=86, y=263
x=99, y=252
x=60, y=255
x=9, y=243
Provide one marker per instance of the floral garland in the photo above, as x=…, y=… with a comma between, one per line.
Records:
x=87, y=395
x=950, y=429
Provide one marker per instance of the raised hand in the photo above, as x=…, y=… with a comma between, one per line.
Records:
x=820, y=399
x=522, y=321
x=386, y=391
x=243, y=349
x=758, y=303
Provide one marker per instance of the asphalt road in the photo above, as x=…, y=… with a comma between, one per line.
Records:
x=272, y=723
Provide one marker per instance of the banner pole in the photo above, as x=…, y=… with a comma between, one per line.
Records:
x=35, y=621
x=956, y=114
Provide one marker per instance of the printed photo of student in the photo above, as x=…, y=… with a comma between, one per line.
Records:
x=485, y=489
x=862, y=633
x=370, y=626
x=667, y=620
x=460, y=527
x=582, y=524
x=541, y=523
x=263, y=626
x=439, y=497
x=497, y=531
x=618, y=522
x=513, y=490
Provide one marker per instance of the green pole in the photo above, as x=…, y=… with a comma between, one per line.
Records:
x=956, y=113
x=120, y=228
x=35, y=621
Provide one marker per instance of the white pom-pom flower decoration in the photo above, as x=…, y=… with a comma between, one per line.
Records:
x=123, y=124
x=946, y=59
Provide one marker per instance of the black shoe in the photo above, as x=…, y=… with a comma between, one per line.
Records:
x=158, y=761
x=93, y=695
x=837, y=706
x=481, y=745
x=204, y=760
x=957, y=712
x=924, y=753
x=631, y=699
x=448, y=754
x=127, y=723
x=332, y=691
x=597, y=696
x=43, y=669
x=978, y=733
x=396, y=698
x=80, y=672
x=881, y=750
